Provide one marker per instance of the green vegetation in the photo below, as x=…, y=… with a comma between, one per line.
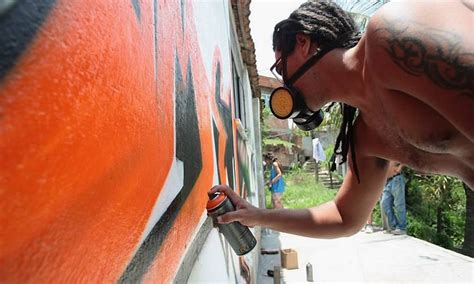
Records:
x=436, y=207
x=302, y=191
x=277, y=141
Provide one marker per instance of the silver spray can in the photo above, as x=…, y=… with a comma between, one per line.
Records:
x=239, y=236
x=309, y=272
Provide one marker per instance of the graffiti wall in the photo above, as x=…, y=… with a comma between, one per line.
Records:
x=116, y=117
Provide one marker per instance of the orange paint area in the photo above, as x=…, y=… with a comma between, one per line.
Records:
x=89, y=122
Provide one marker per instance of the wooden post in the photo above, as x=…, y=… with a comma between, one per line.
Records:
x=317, y=172
x=330, y=178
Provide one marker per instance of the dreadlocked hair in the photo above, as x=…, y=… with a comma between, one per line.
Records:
x=345, y=138
x=325, y=22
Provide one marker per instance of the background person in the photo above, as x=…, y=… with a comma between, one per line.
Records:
x=276, y=182
x=393, y=199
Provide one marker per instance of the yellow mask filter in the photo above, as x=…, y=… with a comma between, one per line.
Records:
x=287, y=103
x=282, y=103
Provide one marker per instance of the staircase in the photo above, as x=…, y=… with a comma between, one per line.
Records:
x=324, y=177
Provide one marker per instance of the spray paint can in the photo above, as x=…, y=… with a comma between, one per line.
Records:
x=239, y=236
x=309, y=272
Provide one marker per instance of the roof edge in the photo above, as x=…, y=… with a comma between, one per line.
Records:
x=241, y=11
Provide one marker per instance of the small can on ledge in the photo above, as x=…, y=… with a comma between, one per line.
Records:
x=309, y=272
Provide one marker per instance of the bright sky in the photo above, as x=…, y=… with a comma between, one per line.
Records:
x=264, y=15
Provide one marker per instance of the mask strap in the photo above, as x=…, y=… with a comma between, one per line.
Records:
x=284, y=67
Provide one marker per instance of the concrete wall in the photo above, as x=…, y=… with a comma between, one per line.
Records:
x=116, y=117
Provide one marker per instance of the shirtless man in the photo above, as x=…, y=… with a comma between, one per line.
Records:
x=411, y=76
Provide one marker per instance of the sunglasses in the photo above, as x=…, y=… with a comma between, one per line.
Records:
x=276, y=70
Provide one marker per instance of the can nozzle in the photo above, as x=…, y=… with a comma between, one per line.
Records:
x=213, y=195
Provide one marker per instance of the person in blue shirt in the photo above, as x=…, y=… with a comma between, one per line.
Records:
x=393, y=199
x=276, y=182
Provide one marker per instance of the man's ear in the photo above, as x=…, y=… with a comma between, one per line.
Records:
x=303, y=42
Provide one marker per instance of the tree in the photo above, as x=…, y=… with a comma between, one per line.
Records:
x=468, y=245
x=436, y=209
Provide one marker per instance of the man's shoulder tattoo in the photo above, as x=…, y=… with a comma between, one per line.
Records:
x=440, y=55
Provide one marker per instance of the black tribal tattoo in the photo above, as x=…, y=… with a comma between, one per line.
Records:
x=440, y=55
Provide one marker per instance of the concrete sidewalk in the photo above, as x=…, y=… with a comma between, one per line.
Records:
x=366, y=258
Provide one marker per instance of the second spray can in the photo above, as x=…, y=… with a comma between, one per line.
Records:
x=239, y=236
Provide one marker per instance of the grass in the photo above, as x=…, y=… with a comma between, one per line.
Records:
x=302, y=191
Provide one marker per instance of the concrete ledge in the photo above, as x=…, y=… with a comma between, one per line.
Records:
x=371, y=258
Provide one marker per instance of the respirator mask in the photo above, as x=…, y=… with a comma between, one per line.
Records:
x=286, y=102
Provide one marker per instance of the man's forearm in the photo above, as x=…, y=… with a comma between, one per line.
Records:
x=323, y=221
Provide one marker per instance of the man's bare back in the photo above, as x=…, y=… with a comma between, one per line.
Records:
x=419, y=80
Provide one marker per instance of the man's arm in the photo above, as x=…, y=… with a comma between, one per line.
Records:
x=342, y=217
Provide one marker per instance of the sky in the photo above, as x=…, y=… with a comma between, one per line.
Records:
x=264, y=15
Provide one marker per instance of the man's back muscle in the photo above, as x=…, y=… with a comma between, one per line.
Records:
x=422, y=76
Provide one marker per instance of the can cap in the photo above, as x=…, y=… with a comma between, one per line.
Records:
x=215, y=200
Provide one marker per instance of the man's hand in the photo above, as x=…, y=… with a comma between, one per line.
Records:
x=245, y=213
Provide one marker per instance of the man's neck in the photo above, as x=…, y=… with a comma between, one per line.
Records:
x=346, y=77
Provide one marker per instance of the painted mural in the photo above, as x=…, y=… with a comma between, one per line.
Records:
x=116, y=117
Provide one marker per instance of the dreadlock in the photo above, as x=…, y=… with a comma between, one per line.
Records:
x=345, y=138
x=325, y=22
